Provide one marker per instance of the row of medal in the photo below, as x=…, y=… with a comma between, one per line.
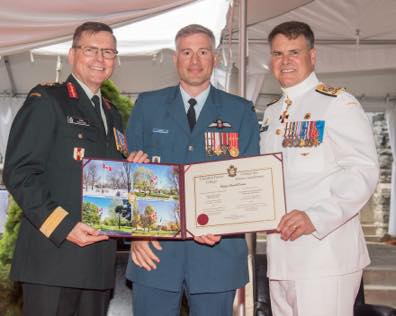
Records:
x=222, y=144
x=303, y=133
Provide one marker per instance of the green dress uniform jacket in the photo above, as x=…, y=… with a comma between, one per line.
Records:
x=57, y=126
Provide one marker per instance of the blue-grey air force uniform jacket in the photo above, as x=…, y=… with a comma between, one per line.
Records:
x=159, y=127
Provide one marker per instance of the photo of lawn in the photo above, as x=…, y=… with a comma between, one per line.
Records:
x=130, y=199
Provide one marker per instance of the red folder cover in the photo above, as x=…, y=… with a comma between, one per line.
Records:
x=177, y=201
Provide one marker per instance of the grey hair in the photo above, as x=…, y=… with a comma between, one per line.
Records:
x=91, y=28
x=195, y=29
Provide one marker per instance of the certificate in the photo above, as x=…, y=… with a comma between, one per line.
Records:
x=182, y=201
x=239, y=195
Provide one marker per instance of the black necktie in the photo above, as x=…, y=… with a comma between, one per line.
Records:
x=191, y=113
x=96, y=102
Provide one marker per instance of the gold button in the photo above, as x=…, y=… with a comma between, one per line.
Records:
x=278, y=131
x=80, y=136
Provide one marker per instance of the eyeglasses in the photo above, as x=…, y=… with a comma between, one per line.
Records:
x=91, y=51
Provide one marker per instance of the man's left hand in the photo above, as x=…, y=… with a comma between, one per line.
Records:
x=295, y=224
x=138, y=156
x=208, y=239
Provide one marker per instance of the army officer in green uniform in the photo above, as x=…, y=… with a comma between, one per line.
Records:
x=65, y=266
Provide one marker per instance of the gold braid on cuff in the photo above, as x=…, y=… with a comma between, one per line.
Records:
x=52, y=221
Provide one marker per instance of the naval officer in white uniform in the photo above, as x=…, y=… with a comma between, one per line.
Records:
x=316, y=258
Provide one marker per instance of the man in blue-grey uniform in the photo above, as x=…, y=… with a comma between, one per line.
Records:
x=188, y=123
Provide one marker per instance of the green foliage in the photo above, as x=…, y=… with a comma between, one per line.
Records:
x=90, y=214
x=115, y=219
x=122, y=103
x=149, y=218
x=10, y=292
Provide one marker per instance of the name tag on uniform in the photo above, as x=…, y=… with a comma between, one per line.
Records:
x=76, y=121
x=160, y=130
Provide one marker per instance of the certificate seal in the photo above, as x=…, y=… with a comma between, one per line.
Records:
x=202, y=219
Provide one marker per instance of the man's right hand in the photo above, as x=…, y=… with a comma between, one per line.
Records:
x=83, y=235
x=143, y=256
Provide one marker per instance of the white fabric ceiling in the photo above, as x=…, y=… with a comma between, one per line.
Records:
x=148, y=36
x=345, y=59
x=356, y=43
x=26, y=24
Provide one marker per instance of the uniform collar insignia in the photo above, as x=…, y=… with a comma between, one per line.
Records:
x=264, y=128
x=220, y=124
x=273, y=101
x=107, y=103
x=71, y=90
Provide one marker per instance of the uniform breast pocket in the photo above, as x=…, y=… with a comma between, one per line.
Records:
x=305, y=159
x=76, y=142
x=161, y=142
x=78, y=134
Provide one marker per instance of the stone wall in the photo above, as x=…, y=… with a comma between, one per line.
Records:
x=375, y=215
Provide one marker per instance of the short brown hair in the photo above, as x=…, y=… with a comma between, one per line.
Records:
x=195, y=29
x=292, y=30
x=92, y=28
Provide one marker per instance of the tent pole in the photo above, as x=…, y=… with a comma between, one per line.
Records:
x=245, y=306
x=242, y=47
x=10, y=75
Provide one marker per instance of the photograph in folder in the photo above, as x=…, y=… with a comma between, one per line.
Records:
x=124, y=199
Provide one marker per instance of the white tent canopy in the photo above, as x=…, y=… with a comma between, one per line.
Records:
x=149, y=36
x=26, y=24
x=356, y=42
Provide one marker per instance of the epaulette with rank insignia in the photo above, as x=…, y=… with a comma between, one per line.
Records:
x=34, y=94
x=50, y=84
x=273, y=101
x=327, y=90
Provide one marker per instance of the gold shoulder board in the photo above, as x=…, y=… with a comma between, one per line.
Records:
x=35, y=94
x=327, y=90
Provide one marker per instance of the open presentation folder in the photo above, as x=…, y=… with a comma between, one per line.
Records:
x=180, y=201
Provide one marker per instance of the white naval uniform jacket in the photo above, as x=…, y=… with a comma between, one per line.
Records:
x=330, y=182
